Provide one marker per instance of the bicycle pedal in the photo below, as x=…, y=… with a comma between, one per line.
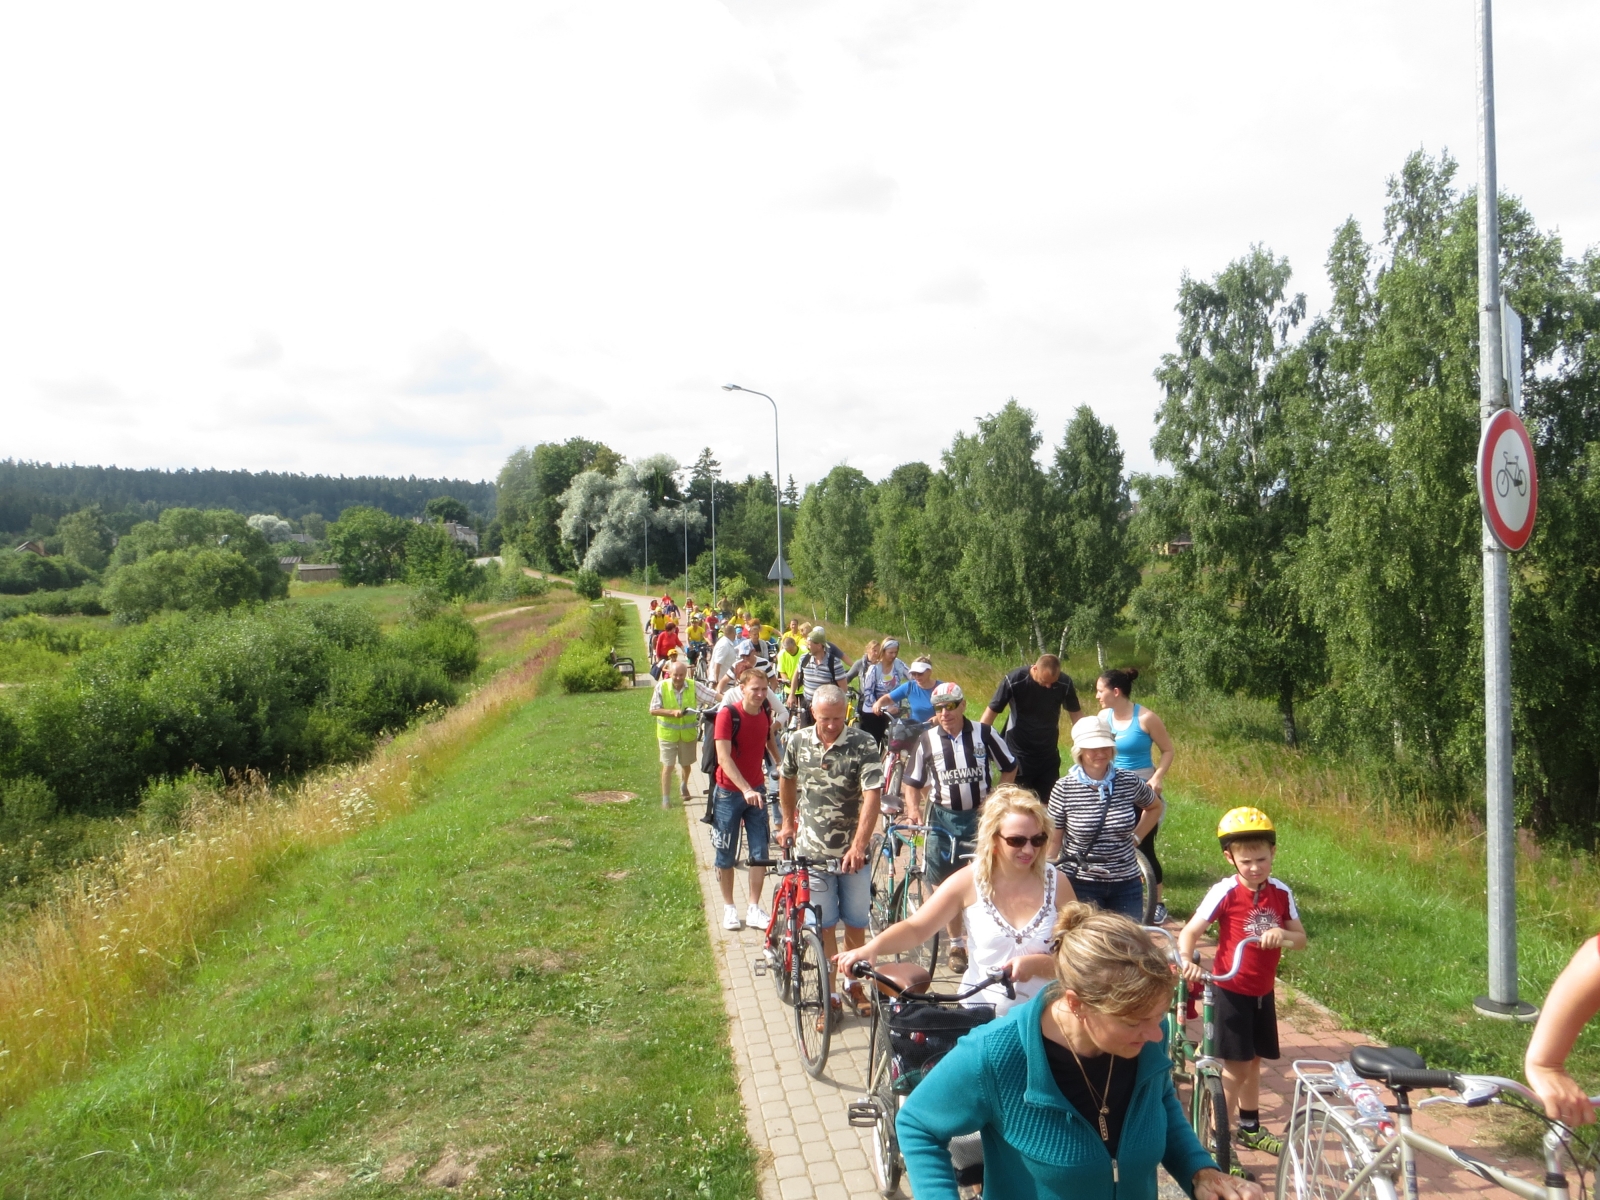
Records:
x=863, y=1114
x=760, y=966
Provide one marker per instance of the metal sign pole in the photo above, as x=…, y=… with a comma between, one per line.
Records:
x=1502, y=998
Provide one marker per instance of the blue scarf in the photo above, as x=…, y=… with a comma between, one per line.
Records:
x=1102, y=787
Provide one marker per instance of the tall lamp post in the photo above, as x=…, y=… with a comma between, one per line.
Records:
x=683, y=506
x=777, y=484
x=713, y=539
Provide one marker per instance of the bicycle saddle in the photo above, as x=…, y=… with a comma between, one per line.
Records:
x=1383, y=1062
x=908, y=977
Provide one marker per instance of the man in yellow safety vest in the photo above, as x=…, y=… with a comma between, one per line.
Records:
x=677, y=729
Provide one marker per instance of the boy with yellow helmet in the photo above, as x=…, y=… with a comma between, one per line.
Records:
x=1250, y=903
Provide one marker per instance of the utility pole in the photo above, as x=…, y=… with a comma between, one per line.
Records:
x=1502, y=1001
x=713, y=604
x=777, y=484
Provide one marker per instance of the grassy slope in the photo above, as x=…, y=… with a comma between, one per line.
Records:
x=1395, y=905
x=506, y=971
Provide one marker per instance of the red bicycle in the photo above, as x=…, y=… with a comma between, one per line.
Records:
x=795, y=959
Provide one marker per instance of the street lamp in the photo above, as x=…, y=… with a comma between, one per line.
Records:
x=777, y=483
x=684, y=506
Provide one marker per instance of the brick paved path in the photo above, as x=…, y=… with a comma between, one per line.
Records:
x=808, y=1148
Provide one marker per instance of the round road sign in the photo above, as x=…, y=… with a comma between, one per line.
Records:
x=1508, y=485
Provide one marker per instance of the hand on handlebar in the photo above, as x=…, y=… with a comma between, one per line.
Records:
x=1272, y=939
x=846, y=960
x=1564, y=1099
x=1193, y=972
x=1212, y=1184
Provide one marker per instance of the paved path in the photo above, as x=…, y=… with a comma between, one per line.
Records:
x=808, y=1148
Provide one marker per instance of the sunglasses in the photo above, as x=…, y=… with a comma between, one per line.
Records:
x=1016, y=841
x=947, y=707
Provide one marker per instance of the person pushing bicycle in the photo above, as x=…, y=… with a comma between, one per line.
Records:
x=1250, y=903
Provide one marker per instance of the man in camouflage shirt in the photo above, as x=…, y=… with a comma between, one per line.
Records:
x=829, y=785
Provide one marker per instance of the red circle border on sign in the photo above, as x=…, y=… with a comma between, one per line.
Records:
x=1493, y=428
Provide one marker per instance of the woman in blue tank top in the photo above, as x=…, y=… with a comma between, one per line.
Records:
x=1138, y=732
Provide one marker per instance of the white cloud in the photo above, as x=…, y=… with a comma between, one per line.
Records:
x=377, y=238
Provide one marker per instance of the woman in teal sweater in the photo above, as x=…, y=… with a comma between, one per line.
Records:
x=1072, y=1092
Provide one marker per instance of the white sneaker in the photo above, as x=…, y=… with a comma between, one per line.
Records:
x=755, y=918
x=730, y=917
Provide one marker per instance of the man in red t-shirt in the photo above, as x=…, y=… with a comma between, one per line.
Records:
x=668, y=640
x=744, y=736
x=1250, y=903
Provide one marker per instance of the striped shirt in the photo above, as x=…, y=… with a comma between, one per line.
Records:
x=814, y=671
x=957, y=768
x=1077, y=808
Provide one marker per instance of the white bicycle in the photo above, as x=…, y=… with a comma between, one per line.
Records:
x=1344, y=1143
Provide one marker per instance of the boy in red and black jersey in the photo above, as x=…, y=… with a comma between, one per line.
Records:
x=1250, y=903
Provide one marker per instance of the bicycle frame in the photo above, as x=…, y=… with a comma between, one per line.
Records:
x=1404, y=1142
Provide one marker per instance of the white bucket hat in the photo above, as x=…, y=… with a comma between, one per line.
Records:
x=1091, y=733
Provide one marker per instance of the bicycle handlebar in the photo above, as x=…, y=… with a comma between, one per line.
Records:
x=1238, y=962
x=1000, y=976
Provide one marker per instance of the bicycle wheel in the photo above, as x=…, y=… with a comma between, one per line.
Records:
x=881, y=914
x=1321, y=1154
x=813, y=1016
x=1211, y=1121
x=885, y=1145
x=912, y=894
x=780, y=954
x=1147, y=888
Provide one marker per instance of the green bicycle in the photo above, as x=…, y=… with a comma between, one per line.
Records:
x=897, y=884
x=1195, y=1064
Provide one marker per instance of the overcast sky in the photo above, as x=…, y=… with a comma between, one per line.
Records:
x=406, y=239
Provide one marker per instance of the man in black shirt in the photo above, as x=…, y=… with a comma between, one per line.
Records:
x=1037, y=696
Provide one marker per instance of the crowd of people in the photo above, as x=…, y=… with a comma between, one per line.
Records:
x=1038, y=876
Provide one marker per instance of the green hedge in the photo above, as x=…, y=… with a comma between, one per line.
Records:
x=275, y=688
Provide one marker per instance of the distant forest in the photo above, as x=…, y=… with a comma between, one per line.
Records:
x=33, y=490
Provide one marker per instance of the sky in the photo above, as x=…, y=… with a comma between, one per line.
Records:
x=408, y=238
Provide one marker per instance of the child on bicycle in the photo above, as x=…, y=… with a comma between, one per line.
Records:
x=1251, y=903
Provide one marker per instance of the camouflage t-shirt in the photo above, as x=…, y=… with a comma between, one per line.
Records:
x=829, y=783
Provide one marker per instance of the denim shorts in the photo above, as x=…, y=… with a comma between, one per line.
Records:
x=847, y=896
x=730, y=812
x=1125, y=896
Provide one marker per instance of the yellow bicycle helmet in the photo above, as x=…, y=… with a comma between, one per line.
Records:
x=1245, y=824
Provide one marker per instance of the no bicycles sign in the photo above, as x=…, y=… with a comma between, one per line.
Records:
x=1508, y=486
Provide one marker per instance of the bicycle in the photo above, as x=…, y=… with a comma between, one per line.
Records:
x=897, y=891
x=1510, y=475
x=903, y=735
x=793, y=955
x=1147, y=890
x=1343, y=1141
x=902, y=1004
x=1208, y=1106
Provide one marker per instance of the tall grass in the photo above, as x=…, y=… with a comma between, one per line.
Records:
x=74, y=973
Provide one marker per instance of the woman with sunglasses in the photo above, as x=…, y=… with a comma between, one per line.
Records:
x=1009, y=895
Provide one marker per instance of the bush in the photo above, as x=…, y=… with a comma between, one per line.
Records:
x=22, y=571
x=589, y=585
x=272, y=688
x=85, y=600
x=165, y=802
x=27, y=800
x=584, y=667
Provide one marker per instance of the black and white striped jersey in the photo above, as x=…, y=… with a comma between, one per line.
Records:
x=956, y=769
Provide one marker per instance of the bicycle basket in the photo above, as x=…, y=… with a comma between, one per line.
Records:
x=920, y=1034
x=903, y=734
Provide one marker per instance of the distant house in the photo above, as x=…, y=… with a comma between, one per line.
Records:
x=318, y=572
x=1180, y=545
x=465, y=534
x=289, y=564
x=32, y=547
x=302, y=539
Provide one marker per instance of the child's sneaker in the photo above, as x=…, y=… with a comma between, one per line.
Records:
x=1160, y=915
x=1239, y=1172
x=1259, y=1139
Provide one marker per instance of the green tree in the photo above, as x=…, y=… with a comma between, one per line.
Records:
x=1093, y=549
x=1226, y=614
x=898, y=551
x=86, y=538
x=529, y=495
x=369, y=545
x=434, y=559
x=831, y=554
x=203, y=560
x=447, y=508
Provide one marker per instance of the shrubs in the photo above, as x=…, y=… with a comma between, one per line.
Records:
x=586, y=664
x=85, y=599
x=22, y=571
x=188, y=559
x=589, y=585
x=269, y=688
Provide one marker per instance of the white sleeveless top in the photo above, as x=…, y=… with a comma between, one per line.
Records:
x=992, y=941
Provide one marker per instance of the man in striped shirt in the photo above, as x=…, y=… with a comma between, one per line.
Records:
x=950, y=768
x=820, y=665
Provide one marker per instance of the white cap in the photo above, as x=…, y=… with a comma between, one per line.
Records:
x=921, y=665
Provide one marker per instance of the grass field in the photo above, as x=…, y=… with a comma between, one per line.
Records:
x=508, y=989
x=1393, y=900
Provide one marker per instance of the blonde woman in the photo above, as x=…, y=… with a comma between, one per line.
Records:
x=1009, y=894
x=1072, y=1094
